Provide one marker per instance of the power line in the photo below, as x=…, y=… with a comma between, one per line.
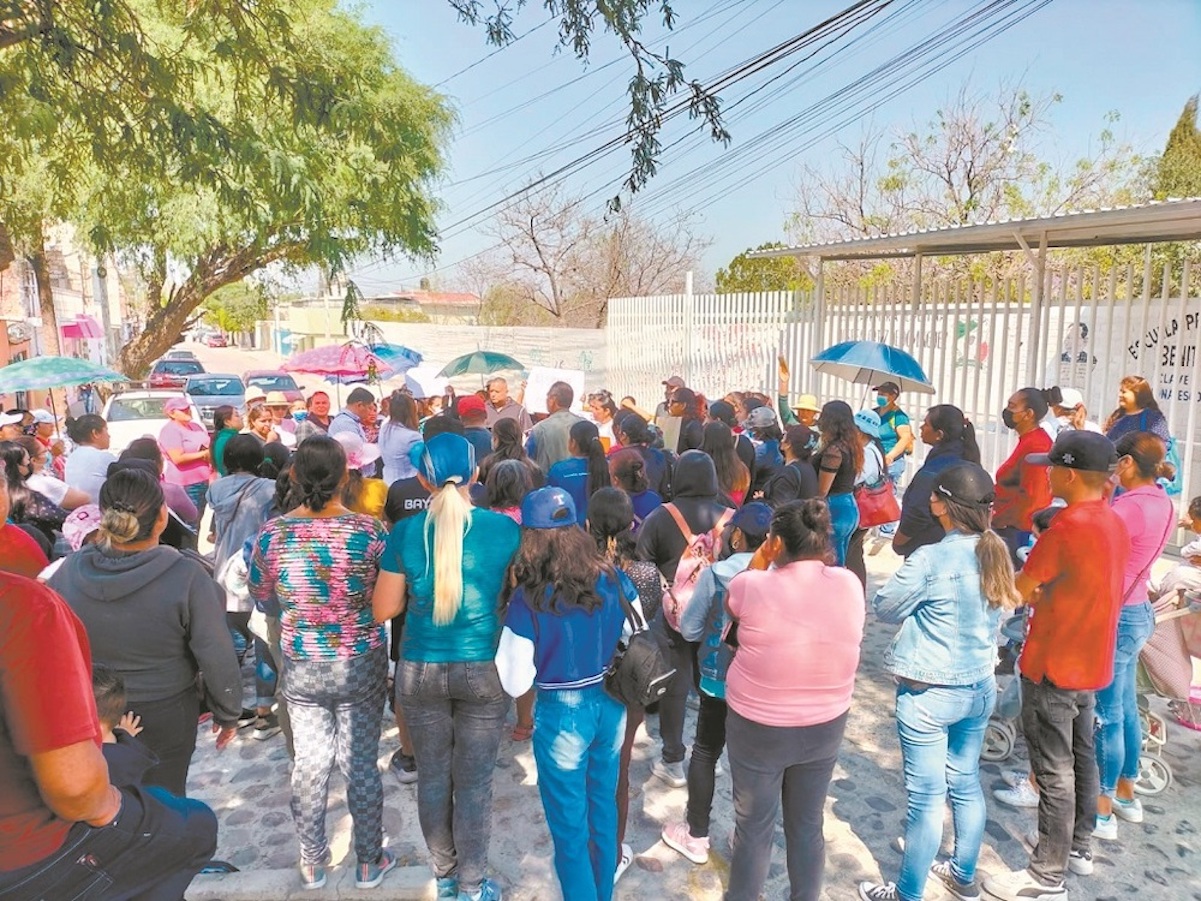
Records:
x=488, y=56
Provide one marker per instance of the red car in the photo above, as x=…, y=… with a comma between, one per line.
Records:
x=173, y=373
x=216, y=340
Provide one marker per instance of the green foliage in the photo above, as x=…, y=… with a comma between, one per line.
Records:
x=378, y=313
x=744, y=274
x=1178, y=171
x=237, y=307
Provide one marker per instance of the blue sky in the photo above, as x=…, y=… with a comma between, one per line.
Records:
x=1138, y=58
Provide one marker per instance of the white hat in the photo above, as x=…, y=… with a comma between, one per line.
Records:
x=1192, y=549
x=359, y=453
x=44, y=416
x=10, y=419
x=1071, y=398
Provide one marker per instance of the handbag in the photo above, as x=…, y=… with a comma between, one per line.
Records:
x=877, y=504
x=637, y=675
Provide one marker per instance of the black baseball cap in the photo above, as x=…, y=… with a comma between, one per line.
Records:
x=888, y=388
x=1077, y=449
x=967, y=483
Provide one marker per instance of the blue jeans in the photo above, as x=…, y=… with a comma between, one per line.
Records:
x=941, y=731
x=1119, y=735
x=577, y=746
x=198, y=494
x=150, y=852
x=844, y=513
x=896, y=472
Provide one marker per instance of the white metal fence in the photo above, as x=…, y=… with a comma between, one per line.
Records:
x=977, y=342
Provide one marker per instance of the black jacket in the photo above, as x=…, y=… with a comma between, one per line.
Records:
x=696, y=497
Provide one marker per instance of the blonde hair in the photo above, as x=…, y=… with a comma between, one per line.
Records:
x=448, y=520
x=996, y=566
x=118, y=527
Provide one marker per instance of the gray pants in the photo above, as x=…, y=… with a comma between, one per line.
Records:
x=770, y=764
x=1058, y=725
x=337, y=707
x=456, y=714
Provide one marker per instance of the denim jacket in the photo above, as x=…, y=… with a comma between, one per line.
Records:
x=704, y=620
x=948, y=632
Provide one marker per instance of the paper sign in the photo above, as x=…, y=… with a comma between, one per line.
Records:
x=670, y=427
x=541, y=378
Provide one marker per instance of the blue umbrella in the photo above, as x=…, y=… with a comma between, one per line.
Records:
x=870, y=362
x=400, y=359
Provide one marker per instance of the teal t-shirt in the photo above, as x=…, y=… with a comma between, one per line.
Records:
x=489, y=544
x=889, y=423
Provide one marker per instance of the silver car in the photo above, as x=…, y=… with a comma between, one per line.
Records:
x=211, y=390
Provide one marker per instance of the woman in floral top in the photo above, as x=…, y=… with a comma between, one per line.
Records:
x=321, y=561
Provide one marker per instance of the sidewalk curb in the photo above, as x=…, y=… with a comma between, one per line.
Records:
x=402, y=884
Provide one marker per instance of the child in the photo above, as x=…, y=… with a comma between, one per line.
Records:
x=128, y=759
x=1178, y=643
x=1192, y=518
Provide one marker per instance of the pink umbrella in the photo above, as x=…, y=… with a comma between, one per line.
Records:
x=340, y=361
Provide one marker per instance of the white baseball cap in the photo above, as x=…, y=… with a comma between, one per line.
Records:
x=43, y=416
x=10, y=419
x=1071, y=398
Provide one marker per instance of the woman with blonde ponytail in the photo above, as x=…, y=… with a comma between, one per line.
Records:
x=157, y=618
x=447, y=565
x=949, y=598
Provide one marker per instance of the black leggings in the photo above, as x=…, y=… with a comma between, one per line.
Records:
x=169, y=730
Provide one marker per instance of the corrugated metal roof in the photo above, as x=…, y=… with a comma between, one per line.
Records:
x=1154, y=222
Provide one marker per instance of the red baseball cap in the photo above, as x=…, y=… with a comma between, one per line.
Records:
x=471, y=405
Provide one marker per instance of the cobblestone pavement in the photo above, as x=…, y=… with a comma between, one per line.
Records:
x=248, y=787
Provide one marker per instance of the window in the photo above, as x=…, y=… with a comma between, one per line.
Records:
x=215, y=387
x=130, y=409
x=273, y=382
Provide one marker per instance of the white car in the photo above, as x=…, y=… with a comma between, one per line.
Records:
x=139, y=414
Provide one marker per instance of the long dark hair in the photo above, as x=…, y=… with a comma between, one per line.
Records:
x=804, y=528
x=507, y=485
x=558, y=569
x=837, y=424
x=506, y=441
x=586, y=438
x=628, y=470
x=221, y=416
x=19, y=494
x=402, y=410
x=718, y=443
x=610, y=518
x=317, y=469
x=1149, y=454
x=632, y=429
x=954, y=426
x=82, y=429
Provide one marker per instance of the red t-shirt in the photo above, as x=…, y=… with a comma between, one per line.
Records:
x=46, y=703
x=1080, y=561
x=19, y=553
x=1016, y=505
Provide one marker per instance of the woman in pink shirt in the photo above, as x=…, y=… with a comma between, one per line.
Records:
x=185, y=446
x=1150, y=518
x=799, y=627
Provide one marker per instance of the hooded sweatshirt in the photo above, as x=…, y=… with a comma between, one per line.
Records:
x=156, y=617
x=240, y=504
x=696, y=497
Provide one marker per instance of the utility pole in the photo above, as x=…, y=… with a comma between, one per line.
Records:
x=100, y=295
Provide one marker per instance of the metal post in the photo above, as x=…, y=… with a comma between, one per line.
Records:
x=100, y=294
x=1039, y=261
x=689, y=326
x=818, y=325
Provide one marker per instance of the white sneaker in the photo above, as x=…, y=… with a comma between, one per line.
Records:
x=1130, y=811
x=1021, y=795
x=1106, y=828
x=1014, y=778
x=1021, y=886
x=671, y=773
x=1081, y=863
x=623, y=862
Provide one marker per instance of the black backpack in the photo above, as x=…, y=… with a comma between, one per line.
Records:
x=637, y=674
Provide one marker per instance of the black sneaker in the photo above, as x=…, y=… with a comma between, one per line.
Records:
x=403, y=767
x=941, y=870
x=266, y=726
x=247, y=717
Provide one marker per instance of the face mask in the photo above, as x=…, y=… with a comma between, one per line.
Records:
x=300, y=415
x=1007, y=418
x=881, y=400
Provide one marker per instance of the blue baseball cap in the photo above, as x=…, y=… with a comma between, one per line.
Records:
x=868, y=422
x=548, y=508
x=445, y=458
x=753, y=519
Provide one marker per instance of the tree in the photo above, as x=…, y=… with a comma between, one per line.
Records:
x=977, y=160
x=658, y=77
x=773, y=274
x=1178, y=171
x=554, y=255
x=237, y=307
x=294, y=192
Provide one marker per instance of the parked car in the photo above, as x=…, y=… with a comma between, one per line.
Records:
x=213, y=389
x=137, y=414
x=216, y=340
x=173, y=373
x=179, y=353
x=267, y=380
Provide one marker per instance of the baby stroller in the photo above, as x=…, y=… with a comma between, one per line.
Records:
x=1165, y=670
x=1000, y=735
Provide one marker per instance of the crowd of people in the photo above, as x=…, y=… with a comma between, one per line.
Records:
x=448, y=557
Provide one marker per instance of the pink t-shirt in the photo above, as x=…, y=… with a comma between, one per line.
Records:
x=190, y=438
x=799, y=631
x=1148, y=515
